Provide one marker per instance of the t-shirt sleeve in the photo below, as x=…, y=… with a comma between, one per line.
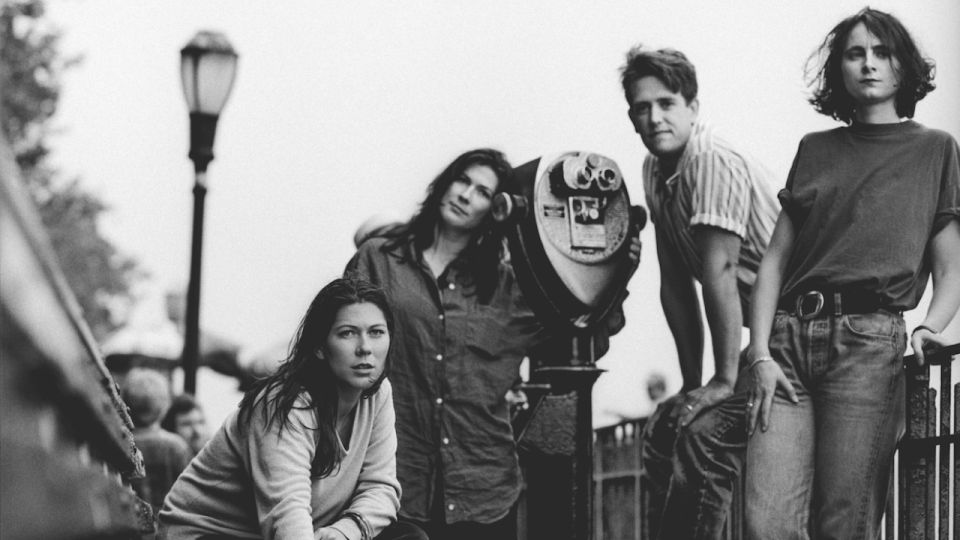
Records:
x=280, y=470
x=948, y=203
x=788, y=200
x=721, y=191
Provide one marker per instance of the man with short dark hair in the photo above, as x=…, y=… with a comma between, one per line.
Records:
x=713, y=210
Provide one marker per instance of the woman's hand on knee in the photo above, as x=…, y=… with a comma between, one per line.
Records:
x=765, y=377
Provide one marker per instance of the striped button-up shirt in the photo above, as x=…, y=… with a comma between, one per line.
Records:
x=717, y=185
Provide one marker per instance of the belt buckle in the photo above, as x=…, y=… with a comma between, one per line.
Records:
x=816, y=310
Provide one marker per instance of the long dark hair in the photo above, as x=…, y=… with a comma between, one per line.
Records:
x=303, y=371
x=825, y=75
x=480, y=260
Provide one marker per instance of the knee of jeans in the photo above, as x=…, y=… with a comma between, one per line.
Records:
x=714, y=426
x=769, y=515
x=775, y=528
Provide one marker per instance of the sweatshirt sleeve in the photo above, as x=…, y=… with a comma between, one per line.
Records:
x=377, y=496
x=280, y=469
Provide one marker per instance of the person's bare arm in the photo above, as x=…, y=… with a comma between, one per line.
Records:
x=678, y=296
x=945, y=253
x=766, y=375
x=719, y=251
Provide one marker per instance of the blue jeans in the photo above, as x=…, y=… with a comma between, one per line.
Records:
x=823, y=467
x=688, y=474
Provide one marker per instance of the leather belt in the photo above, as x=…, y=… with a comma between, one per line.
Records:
x=811, y=304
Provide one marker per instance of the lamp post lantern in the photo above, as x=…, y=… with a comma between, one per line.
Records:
x=208, y=66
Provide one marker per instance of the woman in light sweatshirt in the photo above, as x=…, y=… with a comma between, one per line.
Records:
x=311, y=452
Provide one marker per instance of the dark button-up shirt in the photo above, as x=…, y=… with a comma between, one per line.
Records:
x=452, y=362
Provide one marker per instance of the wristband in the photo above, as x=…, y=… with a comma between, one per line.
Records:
x=339, y=531
x=761, y=359
x=366, y=533
x=924, y=327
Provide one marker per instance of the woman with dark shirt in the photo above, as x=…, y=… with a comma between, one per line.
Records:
x=462, y=331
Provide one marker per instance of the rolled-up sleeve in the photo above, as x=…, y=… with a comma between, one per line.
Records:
x=788, y=201
x=722, y=192
x=948, y=202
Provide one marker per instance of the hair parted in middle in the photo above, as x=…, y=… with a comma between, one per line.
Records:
x=479, y=262
x=670, y=66
x=825, y=74
x=303, y=371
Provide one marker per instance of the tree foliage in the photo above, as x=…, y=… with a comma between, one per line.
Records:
x=31, y=69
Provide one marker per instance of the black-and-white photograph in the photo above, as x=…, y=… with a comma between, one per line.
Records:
x=622, y=270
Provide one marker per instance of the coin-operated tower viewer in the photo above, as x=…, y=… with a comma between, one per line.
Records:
x=570, y=231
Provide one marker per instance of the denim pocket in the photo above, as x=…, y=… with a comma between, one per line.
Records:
x=880, y=325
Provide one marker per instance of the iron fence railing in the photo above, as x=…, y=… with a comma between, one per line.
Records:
x=924, y=505
x=67, y=448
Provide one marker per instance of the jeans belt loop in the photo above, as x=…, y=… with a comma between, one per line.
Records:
x=816, y=310
x=836, y=304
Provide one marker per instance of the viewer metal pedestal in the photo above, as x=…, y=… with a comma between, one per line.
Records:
x=556, y=450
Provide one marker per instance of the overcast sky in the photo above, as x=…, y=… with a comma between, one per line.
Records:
x=344, y=109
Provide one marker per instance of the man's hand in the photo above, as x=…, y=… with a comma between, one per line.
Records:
x=715, y=391
x=764, y=379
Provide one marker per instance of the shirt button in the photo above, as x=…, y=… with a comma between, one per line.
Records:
x=446, y=440
x=439, y=401
x=451, y=287
x=439, y=357
x=450, y=507
x=441, y=316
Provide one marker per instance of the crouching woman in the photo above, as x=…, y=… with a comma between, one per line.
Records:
x=311, y=452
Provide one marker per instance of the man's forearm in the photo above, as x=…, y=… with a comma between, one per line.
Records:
x=720, y=252
x=724, y=316
x=682, y=312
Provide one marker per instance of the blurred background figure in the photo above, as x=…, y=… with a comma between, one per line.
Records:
x=186, y=418
x=165, y=455
x=656, y=387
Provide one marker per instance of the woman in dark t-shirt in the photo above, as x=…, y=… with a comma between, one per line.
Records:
x=870, y=210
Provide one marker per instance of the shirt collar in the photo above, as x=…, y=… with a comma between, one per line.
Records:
x=669, y=185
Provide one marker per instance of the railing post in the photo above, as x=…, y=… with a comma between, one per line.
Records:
x=918, y=450
x=917, y=462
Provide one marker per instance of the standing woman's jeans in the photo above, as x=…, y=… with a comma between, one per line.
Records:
x=823, y=467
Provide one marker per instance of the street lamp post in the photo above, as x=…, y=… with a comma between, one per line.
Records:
x=208, y=66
